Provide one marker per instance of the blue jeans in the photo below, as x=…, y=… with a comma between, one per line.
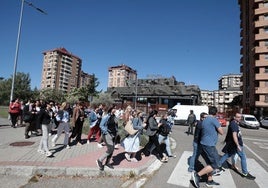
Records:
x=242, y=156
x=194, y=157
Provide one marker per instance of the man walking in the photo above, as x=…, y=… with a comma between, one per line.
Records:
x=234, y=144
x=209, y=138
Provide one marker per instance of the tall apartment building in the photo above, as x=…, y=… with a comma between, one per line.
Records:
x=229, y=88
x=121, y=76
x=230, y=81
x=61, y=70
x=254, y=52
x=85, y=79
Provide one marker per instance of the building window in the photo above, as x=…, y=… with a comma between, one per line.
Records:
x=265, y=4
x=266, y=29
x=265, y=69
x=266, y=98
x=265, y=56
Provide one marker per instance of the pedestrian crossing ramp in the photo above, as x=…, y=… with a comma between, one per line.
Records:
x=181, y=177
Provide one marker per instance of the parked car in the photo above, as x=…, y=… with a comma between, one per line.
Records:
x=264, y=122
x=221, y=118
x=249, y=121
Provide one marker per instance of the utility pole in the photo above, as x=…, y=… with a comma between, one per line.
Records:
x=18, y=44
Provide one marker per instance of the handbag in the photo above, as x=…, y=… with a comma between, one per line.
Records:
x=129, y=128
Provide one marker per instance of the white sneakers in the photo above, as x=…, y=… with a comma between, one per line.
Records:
x=88, y=142
x=48, y=153
x=99, y=145
x=41, y=151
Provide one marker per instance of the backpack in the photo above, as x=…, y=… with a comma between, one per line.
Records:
x=164, y=129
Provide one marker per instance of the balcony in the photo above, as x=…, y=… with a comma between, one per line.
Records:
x=261, y=36
x=261, y=63
x=261, y=23
x=261, y=76
x=262, y=10
x=261, y=90
x=263, y=49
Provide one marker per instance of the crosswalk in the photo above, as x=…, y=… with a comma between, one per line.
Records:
x=180, y=175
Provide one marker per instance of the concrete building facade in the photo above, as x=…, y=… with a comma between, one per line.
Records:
x=61, y=70
x=254, y=55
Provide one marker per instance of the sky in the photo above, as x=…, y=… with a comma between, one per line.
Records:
x=195, y=41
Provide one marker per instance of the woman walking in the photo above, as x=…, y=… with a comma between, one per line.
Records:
x=132, y=142
x=44, y=118
x=109, y=128
x=63, y=117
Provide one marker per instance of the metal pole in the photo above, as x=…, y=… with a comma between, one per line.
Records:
x=18, y=44
x=16, y=53
x=136, y=92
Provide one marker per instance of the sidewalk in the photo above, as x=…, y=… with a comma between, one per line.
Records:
x=19, y=156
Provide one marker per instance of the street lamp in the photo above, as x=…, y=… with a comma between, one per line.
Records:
x=18, y=43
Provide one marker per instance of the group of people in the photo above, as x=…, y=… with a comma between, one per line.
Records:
x=204, y=144
x=157, y=131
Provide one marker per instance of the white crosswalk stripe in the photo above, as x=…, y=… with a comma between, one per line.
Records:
x=181, y=177
x=259, y=172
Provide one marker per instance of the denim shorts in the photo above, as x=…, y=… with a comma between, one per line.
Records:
x=212, y=156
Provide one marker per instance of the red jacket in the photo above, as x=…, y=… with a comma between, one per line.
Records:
x=14, y=107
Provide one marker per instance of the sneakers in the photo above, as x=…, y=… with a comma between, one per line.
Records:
x=195, y=179
x=174, y=156
x=133, y=160
x=99, y=145
x=164, y=159
x=88, y=142
x=67, y=147
x=127, y=157
x=48, y=153
x=248, y=176
x=116, y=146
x=218, y=171
x=41, y=151
x=100, y=165
x=109, y=166
x=190, y=170
x=211, y=183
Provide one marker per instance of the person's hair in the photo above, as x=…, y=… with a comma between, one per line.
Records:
x=202, y=115
x=111, y=108
x=212, y=110
x=63, y=105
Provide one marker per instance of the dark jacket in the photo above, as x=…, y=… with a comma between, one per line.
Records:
x=152, y=126
x=44, y=117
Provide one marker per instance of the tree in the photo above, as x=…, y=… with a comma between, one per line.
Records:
x=52, y=95
x=84, y=93
x=21, y=90
x=103, y=98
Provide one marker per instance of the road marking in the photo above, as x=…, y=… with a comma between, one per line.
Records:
x=180, y=175
x=259, y=172
x=225, y=180
x=261, y=145
x=255, y=139
x=261, y=159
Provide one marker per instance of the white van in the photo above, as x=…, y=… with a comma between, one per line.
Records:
x=249, y=121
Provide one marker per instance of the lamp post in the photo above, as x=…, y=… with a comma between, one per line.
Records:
x=136, y=93
x=18, y=43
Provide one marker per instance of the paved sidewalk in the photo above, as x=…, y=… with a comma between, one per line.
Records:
x=19, y=156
